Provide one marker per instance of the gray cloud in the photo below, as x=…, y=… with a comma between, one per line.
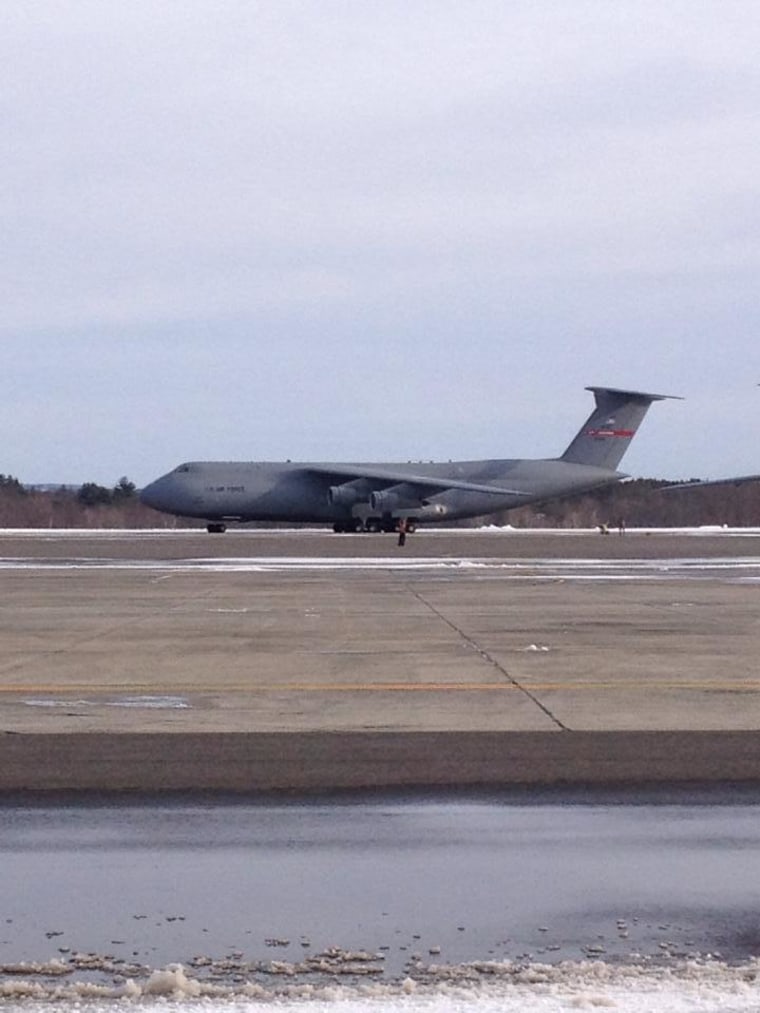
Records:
x=382, y=229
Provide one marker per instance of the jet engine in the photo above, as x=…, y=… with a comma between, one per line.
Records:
x=403, y=496
x=434, y=510
x=349, y=493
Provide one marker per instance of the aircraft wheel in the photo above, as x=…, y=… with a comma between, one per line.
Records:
x=216, y=528
x=411, y=527
x=374, y=526
x=339, y=528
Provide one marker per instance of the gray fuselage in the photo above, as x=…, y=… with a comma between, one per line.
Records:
x=270, y=491
x=375, y=497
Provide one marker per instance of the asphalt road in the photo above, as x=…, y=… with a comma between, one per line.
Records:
x=259, y=661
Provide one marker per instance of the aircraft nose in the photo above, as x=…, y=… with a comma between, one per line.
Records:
x=155, y=494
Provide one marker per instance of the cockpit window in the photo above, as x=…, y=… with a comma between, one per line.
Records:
x=182, y=468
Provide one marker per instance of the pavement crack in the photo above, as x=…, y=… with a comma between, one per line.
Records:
x=488, y=657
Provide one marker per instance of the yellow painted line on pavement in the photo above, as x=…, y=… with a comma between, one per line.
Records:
x=332, y=687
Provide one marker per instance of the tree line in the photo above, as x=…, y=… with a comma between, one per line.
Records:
x=636, y=503
x=87, y=506
x=643, y=503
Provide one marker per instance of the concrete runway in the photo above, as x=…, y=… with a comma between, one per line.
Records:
x=272, y=660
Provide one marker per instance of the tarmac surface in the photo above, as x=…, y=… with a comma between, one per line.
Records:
x=299, y=661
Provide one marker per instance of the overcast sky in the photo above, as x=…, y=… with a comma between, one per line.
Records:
x=376, y=230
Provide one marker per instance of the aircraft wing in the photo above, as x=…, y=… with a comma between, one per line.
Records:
x=738, y=480
x=385, y=477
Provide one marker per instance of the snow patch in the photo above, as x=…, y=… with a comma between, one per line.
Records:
x=481, y=987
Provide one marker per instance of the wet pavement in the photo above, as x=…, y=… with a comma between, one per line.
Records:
x=378, y=888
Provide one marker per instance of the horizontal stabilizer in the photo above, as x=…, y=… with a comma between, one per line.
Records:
x=698, y=484
x=608, y=431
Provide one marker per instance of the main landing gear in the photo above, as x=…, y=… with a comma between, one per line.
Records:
x=373, y=525
x=216, y=528
x=348, y=527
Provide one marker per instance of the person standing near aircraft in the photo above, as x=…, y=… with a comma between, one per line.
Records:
x=402, y=531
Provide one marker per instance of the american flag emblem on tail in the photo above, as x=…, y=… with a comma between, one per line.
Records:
x=609, y=432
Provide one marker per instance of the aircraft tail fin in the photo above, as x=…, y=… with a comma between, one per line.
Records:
x=609, y=429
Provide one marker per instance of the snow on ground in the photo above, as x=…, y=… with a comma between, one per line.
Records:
x=708, y=986
x=740, y=568
x=488, y=529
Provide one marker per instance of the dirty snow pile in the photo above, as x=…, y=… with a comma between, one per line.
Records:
x=481, y=987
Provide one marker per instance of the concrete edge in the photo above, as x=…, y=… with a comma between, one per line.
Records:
x=325, y=761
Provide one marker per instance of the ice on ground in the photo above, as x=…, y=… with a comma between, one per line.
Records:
x=729, y=569
x=128, y=702
x=481, y=987
x=486, y=529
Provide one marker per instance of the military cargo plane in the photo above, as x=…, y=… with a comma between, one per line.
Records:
x=377, y=497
